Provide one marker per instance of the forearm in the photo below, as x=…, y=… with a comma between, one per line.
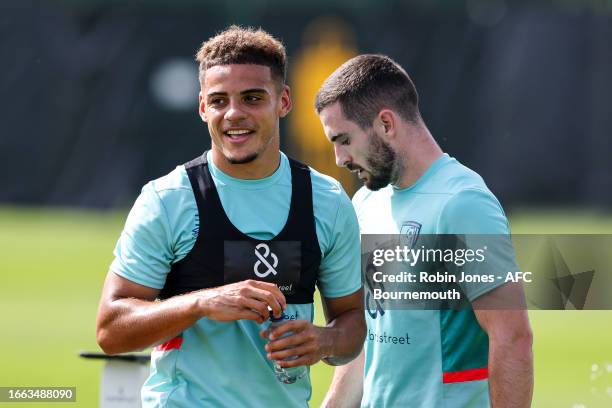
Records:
x=129, y=318
x=346, y=388
x=128, y=324
x=511, y=372
x=344, y=337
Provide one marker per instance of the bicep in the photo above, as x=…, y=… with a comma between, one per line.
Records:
x=502, y=312
x=144, y=252
x=117, y=287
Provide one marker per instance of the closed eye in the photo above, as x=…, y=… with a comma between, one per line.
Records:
x=341, y=139
x=344, y=140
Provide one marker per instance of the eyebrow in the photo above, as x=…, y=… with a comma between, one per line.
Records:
x=247, y=91
x=339, y=135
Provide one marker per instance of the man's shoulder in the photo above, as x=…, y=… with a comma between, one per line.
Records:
x=455, y=177
x=172, y=194
x=464, y=184
x=328, y=196
x=175, y=182
x=322, y=184
x=470, y=206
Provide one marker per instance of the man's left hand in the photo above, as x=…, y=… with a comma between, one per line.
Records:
x=307, y=342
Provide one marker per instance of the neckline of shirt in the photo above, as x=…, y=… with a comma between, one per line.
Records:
x=254, y=184
x=439, y=162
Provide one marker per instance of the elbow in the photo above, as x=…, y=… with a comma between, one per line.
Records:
x=358, y=335
x=520, y=340
x=106, y=331
x=107, y=336
x=105, y=340
x=352, y=338
x=361, y=333
x=522, y=334
x=523, y=339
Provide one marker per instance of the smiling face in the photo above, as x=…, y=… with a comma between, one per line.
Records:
x=362, y=151
x=242, y=104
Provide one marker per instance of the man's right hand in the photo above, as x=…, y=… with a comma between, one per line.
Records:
x=130, y=319
x=248, y=300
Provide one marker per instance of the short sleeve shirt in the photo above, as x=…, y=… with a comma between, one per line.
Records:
x=225, y=364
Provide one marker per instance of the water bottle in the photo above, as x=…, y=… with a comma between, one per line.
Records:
x=286, y=375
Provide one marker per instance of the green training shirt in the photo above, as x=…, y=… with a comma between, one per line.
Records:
x=429, y=358
x=224, y=364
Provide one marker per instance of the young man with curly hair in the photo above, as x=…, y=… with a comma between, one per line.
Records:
x=210, y=248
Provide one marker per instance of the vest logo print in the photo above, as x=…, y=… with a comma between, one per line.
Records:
x=262, y=260
x=276, y=261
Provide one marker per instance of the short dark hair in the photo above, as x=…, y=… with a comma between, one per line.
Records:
x=243, y=45
x=366, y=84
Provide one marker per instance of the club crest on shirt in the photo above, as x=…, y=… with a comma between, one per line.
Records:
x=409, y=233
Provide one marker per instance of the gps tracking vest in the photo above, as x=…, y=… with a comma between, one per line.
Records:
x=222, y=254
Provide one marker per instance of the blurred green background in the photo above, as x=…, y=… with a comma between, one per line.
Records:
x=54, y=263
x=103, y=97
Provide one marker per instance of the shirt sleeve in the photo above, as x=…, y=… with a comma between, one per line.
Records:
x=143, y=252
x=340, y=269
x=477, y=222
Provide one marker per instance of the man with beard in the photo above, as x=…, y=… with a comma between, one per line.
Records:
x=450, y=358
x=210, y=248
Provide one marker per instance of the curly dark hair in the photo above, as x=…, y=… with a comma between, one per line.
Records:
x=243, y=45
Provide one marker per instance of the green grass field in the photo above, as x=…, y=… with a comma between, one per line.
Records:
x=54, y=262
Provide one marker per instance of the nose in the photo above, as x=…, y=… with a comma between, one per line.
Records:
x=234, y=112
x=342, y=156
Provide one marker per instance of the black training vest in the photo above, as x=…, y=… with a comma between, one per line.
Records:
x=222, y=254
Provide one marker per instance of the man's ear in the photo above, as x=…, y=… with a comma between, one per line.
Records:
x=285, y=102
x=201, y=107
x=387, y=120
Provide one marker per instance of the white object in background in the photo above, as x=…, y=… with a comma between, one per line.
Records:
x=121, y=383
x=122, y=379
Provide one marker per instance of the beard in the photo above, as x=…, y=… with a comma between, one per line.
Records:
x=383, y=163
x=242, y=160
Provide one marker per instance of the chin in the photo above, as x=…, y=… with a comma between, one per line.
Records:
x=376, y=184
x=241, y=159
x=373, y=187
